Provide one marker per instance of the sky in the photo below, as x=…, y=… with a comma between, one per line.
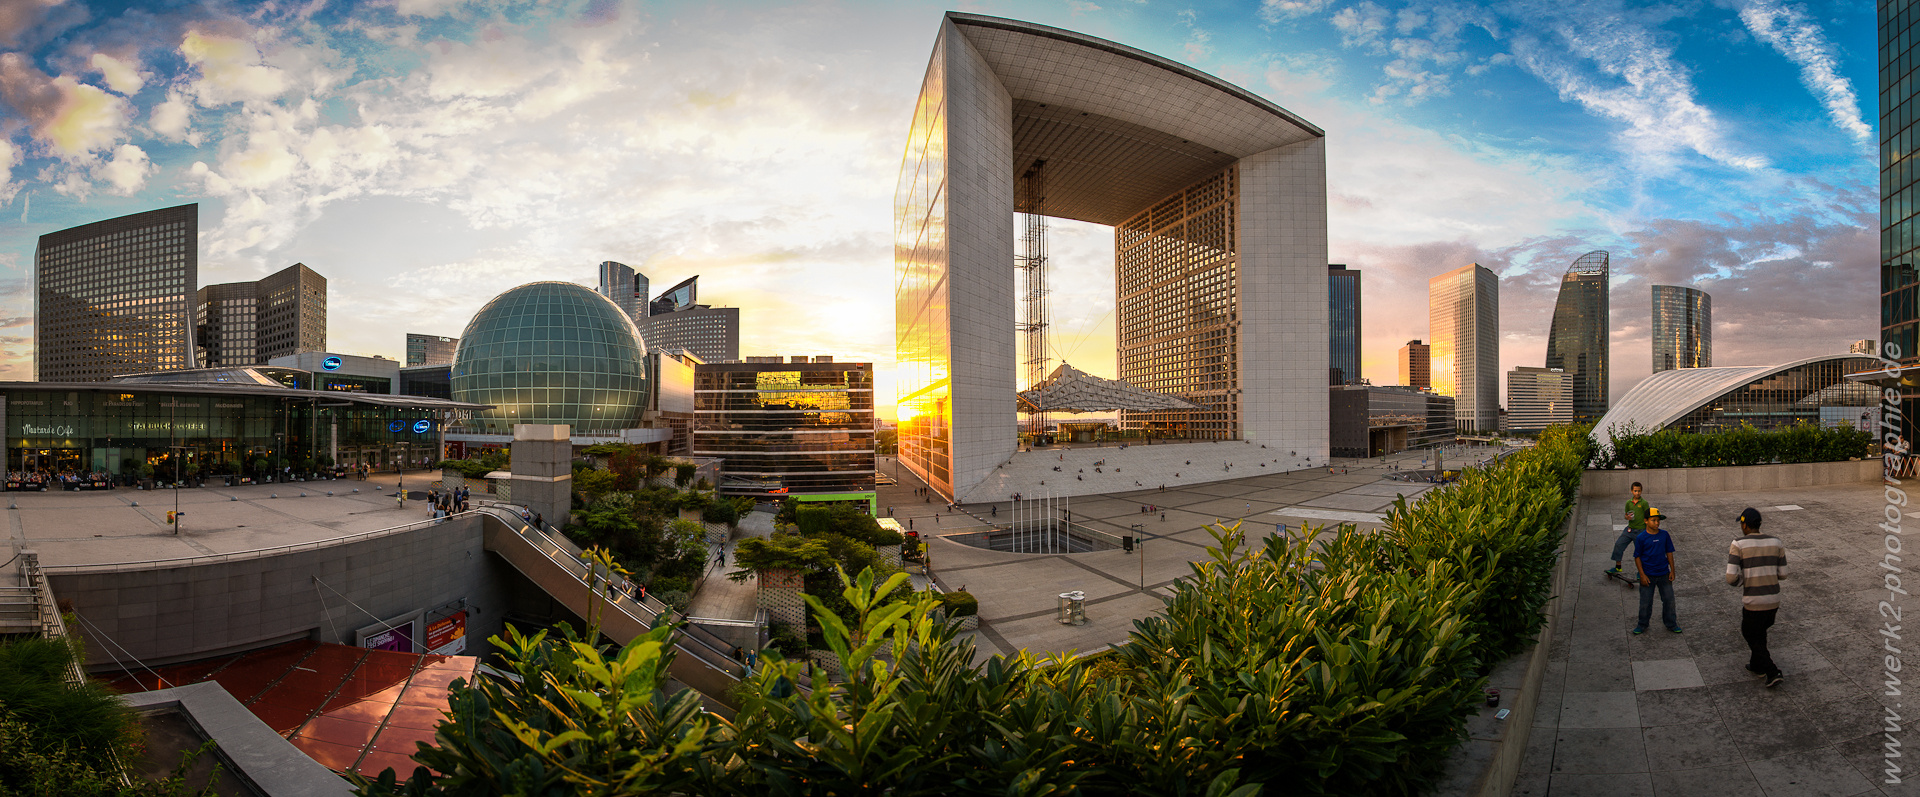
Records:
x=426, y=155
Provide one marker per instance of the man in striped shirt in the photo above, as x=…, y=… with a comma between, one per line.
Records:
x=1757, y=562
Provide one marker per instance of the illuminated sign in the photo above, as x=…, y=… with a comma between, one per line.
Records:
x=55, y=431
x=396, y=426
x=331, y=363
x=422, y=427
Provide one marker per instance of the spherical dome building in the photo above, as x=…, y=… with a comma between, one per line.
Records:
x=552, y=352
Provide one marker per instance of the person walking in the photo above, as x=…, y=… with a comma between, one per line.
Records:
x=1757, y=563
x=1636, y=523
x=1653, y=553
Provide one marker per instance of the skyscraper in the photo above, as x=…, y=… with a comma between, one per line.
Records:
x=249, y=323
x=1416, y=365
x=1463, y=320
x=1899, y=230
x=626, y=287
x=1538, y=398
x=1682, y=328
x=1578, y=341
x=675, y=321
x=1343, y=324
x=432, y=349
x=114, y=297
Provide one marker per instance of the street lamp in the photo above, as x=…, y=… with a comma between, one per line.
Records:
x=1140, y=546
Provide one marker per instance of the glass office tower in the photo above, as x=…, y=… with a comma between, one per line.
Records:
x=1463, y=320
x=1343, y=324
x=250, y=323
x=431, y=349
x=116, y=296
x=1682, y=328
x=626, y=287
x=1899, y=230
x=1578, y=341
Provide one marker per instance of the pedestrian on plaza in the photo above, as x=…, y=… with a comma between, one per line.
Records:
x=1757, y=563
x=1636, y=523
x=1653, y=552
x=538, y=521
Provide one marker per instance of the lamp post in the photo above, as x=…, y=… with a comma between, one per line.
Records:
x=1140, y=547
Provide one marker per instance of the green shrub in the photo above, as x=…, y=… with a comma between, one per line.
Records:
x=1803, y=441
x=958, y=604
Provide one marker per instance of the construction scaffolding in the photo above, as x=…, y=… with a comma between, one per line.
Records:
x=1032, y=262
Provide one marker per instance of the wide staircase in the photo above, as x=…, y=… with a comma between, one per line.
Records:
x=1112, y=469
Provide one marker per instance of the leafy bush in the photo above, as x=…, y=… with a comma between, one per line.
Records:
x=1741, y=445
x=958, y=604
x=683, y=473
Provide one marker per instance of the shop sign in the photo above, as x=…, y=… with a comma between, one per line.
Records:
x=448, y=635
x=397, y=426
x=331, y=363
x=46, y=431
x=422, y=427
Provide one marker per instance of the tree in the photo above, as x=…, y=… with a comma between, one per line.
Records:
x=783, y=551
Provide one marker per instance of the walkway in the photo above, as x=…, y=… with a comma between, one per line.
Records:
x=721, y=598
x=1677, y=714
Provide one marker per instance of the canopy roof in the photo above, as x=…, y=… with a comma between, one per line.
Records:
x=1069, y=389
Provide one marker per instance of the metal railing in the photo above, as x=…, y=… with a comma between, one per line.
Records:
x=52, y=625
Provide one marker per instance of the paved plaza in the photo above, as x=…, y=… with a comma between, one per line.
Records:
x=1018, y=593
x=1677, y=714
x=106, y=527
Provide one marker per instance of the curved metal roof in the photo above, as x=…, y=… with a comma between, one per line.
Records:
x=1667, y=396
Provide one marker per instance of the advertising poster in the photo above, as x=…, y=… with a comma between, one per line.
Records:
x=448, y=635
x=395, y=639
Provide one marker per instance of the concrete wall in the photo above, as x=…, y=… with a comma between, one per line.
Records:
x=1283, y=310
x=1669, y=481
x=180, y=613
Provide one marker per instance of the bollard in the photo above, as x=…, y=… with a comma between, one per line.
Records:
x=233, y=498
x=275, y=495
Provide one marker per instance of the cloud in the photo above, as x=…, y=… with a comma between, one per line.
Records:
x=23, y=20
x=172, y=119
x=72, y=119
x=9, y=157
x=230, y=69
x=123, y=77
x=1787, y=29
x=1276, y=10
x=1426, y=45
x=1640, y=82
x=127, y=171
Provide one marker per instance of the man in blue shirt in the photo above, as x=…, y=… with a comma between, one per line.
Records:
x=1653, y=552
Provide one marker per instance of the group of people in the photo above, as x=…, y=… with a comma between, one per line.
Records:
x=1756, y=562
x=447, y=502
x=67, y=479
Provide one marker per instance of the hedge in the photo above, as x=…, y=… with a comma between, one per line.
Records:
x=1347, y=668
x=1742, y=445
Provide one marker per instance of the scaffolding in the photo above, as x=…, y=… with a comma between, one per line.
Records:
x=1032, y=263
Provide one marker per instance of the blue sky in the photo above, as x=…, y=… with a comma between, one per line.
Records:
x=425, y=155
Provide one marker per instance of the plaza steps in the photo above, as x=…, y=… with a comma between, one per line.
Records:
x=19, y=611
x=1136, y=467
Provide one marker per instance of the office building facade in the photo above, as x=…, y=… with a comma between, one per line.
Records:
x=250, y=323
x=1578, y=343
x=1217, y=198
x=1375, y=420
x=1416, y=365
x=1343, y=324
x=1863, y=346
x=1463, y=320
x=626, y=287
x=1682, y=328
x=799, y=430
x=1900, y=199
x=115, y=296
x=430, y=349
x=1540, y=397
x=709, y=333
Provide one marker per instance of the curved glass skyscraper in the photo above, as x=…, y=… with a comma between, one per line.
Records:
x=1578, y=342
x=1682, y=328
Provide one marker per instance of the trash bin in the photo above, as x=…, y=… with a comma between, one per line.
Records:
x=1073, y=608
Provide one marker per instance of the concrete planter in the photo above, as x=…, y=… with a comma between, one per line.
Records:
x=1730, y=478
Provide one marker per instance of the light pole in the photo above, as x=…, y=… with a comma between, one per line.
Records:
x=1140, y=547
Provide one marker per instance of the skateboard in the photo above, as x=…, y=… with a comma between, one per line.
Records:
x=1623, y=578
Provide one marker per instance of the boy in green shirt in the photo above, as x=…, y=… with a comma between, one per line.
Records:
x=1636, y=523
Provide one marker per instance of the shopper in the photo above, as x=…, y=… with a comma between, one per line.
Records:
x=1653, y=552
x=1757, y=563
x=1636, y=523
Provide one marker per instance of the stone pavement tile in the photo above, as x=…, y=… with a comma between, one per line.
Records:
x=1821, y=772
x=1353, y=503
x=1665, y=674
x=1730, y=780
x=1848, y=719
x=1773, y=733
x=1228, y=508
x=1705, y=744
x=1660, y=646
x=1598, y=751
x=1012, y=590
x=1801, y=659
x=1599, y=710
x=1677, y=707
x=1724, y=668
x=1638, y=784
x=1531, y=784
x=1716, y=639
x=1868, y=754
x=1546, y=710
x=1599, y=676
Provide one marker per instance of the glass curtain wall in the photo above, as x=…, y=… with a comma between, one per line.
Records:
x=1682, y=328
x=921, y=343
x=1794, y=395
x=1578, y=342
x=798, y=430
x=1899, y=196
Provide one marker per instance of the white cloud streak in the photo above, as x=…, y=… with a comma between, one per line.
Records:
x=1787, y=29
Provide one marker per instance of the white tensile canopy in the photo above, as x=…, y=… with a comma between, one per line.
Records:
x=1069, y=389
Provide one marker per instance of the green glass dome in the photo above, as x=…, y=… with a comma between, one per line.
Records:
x=551, y=352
